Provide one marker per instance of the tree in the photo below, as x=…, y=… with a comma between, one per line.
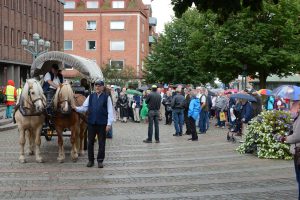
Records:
x=222, y=7
x=171, y=60
x=118, y=76
x=267, y=42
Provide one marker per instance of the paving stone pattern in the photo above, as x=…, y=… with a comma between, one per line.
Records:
x=174, y=169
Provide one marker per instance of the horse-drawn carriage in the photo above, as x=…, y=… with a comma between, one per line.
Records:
x=31, y=114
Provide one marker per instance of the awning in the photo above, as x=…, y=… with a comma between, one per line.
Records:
x=87, y=68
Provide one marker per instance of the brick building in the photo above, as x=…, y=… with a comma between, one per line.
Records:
x=20, y=19
x=114, y=32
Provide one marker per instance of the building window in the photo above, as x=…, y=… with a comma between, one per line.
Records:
x=24, y=7
x=91, y=45
x=143, y=27
x=68, y=45
x=68, y=25
x=12, y=5
x=117, y=45
x=92, y=4
x=45, y=14
x=6, y=39
x=143, y=65
x=117, y=25
x=5, y=3
x=19, y=38
x=91, y=25
x=118, y=4
x=12, y=37
x=30, y=8
x=19, y=5
x=69, y=5
x=117, y=64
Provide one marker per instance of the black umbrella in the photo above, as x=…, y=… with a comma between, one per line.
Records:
x=243, y=96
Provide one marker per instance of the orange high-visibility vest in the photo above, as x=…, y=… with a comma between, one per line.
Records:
x=10, y=93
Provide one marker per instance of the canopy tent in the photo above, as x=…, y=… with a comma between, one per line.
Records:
x=87, y=68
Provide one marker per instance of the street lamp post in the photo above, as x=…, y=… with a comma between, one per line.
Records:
x=37, y=46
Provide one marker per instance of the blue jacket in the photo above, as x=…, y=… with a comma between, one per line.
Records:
x=137, y=100
x=247, y=112
x=194, y=108
x=97, y=111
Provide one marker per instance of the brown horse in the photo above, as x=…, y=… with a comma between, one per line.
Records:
x=30, y=117
x=65, y=117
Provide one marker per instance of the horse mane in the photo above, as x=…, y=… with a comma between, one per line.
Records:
x=66, y=90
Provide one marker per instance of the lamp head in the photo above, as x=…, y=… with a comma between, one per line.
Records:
x=24, y=42
x=31, y=44
x=47, y=44
x=41, y=42
x=36, y=36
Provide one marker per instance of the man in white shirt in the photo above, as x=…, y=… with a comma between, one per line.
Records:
x=100, y=118
x=52, y=80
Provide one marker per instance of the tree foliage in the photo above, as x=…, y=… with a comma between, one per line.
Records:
x=118, y=76
x=171, y=61
x=222, y=7
x=195, y=48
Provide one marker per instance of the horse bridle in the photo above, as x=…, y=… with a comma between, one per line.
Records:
x=32, y=101
x=60, y=102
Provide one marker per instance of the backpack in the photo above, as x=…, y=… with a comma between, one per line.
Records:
x=46, y=85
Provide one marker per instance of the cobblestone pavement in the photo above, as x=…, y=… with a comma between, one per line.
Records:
x=174, y=169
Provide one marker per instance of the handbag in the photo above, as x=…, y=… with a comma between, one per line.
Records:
x=222, y=116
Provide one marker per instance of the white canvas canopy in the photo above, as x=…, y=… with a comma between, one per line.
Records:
x=88, y=68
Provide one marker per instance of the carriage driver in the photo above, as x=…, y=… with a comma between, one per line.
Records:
x=100, y=117
x=52, y=80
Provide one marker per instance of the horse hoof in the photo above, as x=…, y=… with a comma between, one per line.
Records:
x=31, y=153
x=75, y=157
x=81, y=153
x=60, y=160
x=39, y=160
x=22, y=159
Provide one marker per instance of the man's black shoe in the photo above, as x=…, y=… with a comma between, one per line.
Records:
x=147, y=141
x=175, y=134
x=100, y=165
x=90, y=164
x=157, y=141
x=195, y=139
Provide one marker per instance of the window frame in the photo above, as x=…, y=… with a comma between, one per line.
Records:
x=87, y=45
x=117, y=60
x=86, y=28
x=66, y=2
x=117, y=29
x=72, y=25
x=112, y=41
x=71, y=43
x=117, y=1
x=97, y=2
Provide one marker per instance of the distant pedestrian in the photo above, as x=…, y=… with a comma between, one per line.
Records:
x=122, y=103
x=246, y=114
x=178, y=112
x=153, y=100
x=11, y=95
x=168, y=110
x=270, y=103
x=186, y=110
x=204, y=111
x=193, y=115
x=136, y=106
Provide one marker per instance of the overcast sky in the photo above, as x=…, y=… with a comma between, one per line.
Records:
x=162, y=10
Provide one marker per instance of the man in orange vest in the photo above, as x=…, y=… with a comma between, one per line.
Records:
x=11, y=95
